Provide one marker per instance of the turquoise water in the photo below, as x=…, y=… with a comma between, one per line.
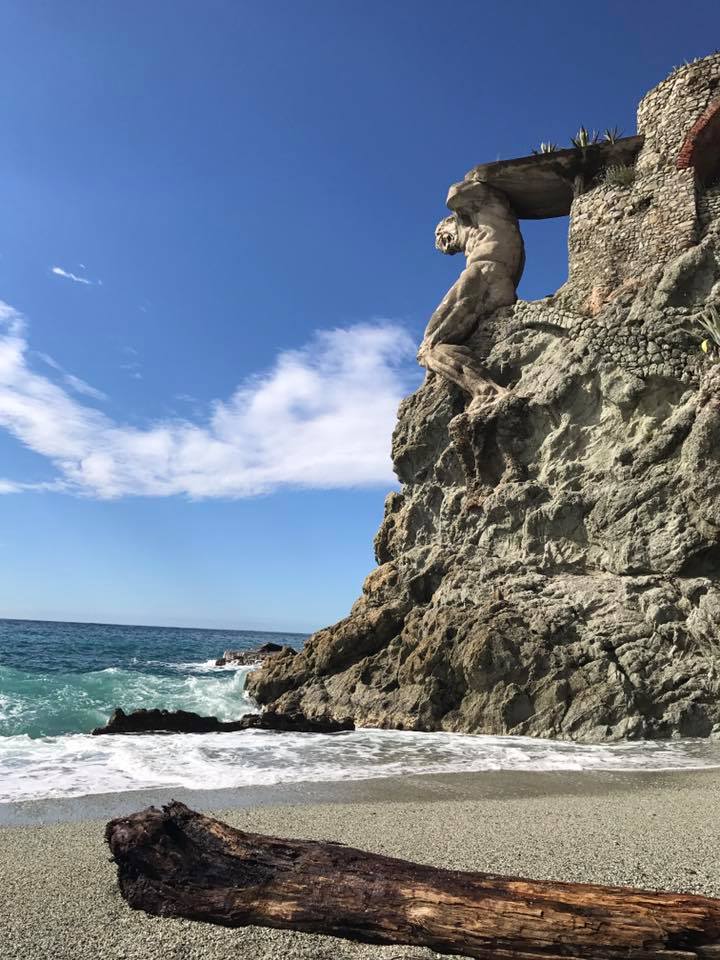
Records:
x=62, y=678
x=59, y=680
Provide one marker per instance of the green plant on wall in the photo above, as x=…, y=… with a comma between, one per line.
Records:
x=546, y=148
x=612, y=135
x=619, y=175
x=584, y=138
x=709, y=323
x=686, y=63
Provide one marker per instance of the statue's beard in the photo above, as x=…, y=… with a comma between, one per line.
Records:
x=446, y=243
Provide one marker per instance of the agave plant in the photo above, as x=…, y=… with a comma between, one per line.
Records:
x=612, y=134
x=687, y=63
x=709, y=322
x=584, y=138
x=546, y=148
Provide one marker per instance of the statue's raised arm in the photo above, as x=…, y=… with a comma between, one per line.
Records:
x=484, y=228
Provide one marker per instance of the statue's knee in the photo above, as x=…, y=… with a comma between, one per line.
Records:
x=423, y=354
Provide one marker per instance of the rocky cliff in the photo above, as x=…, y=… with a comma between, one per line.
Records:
x=551, y=565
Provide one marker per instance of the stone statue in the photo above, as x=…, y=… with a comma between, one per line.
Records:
x=485, y=229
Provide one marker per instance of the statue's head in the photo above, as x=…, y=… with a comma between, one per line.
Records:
x=448, y=238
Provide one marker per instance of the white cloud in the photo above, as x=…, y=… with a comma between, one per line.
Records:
x=75, y=383
x=11, y=486
x=321, y=417
x=7, y=486
x=59, y=272
x=132, y=366
x=80, y=386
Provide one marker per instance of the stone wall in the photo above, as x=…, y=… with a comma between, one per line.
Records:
x=620, y=234
x=646, y=343
x=709, y=209
x=668, y=112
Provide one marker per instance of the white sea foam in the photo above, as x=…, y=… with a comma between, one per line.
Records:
x=210, y=666
x=79, y=764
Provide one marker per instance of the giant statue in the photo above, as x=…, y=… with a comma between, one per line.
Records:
x=484, y=228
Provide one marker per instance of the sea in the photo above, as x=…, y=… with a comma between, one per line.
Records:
x=60, y=680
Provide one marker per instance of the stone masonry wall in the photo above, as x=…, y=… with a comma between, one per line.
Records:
x=709, y=208
x=667, y=113
x=641, y=342
x=618, y=234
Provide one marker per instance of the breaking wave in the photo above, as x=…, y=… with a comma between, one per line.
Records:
x=79, y=764
x=50, y=704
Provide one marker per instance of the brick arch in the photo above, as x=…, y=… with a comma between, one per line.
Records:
x=701, y=149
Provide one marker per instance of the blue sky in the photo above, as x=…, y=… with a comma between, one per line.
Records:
x=216, y=256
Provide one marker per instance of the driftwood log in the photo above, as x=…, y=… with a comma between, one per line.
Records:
x=175, y=862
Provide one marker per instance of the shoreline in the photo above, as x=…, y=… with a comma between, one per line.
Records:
x=655, y=830
x=495, y=785
x=459, y=774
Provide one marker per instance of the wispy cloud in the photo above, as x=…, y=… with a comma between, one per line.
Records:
x=75, y=383
x=7, y=486
x=320, y=417
x=132, y=365
x=11, y=486
x=60, y=272
x=80, y=386
x=132, y=370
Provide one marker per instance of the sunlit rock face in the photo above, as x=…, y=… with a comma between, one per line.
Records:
x=551, y=564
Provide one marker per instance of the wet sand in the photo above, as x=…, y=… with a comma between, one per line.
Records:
x=659, y=830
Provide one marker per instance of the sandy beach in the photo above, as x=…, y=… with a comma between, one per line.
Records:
x=58, y=896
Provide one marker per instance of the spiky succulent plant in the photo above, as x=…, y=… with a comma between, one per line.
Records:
x=546, y=147
x=584, y=138
x=709, y=321
x=612, y=134
x=708, y=328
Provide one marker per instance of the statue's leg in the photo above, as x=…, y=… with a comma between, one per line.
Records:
x=461, y=366
x=469, y=298
x=481, y=288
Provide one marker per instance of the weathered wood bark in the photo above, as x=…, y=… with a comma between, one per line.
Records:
x=175, y=862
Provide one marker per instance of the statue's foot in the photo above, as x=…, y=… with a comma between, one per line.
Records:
x=484, y=405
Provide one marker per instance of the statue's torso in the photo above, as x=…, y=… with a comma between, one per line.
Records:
x=495, y=236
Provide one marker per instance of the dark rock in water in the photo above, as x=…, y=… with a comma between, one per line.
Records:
x=247, y=658
x=295, y=722
x=184, y=721
x=166, y=721
x=551, y=565
x=270, y=648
